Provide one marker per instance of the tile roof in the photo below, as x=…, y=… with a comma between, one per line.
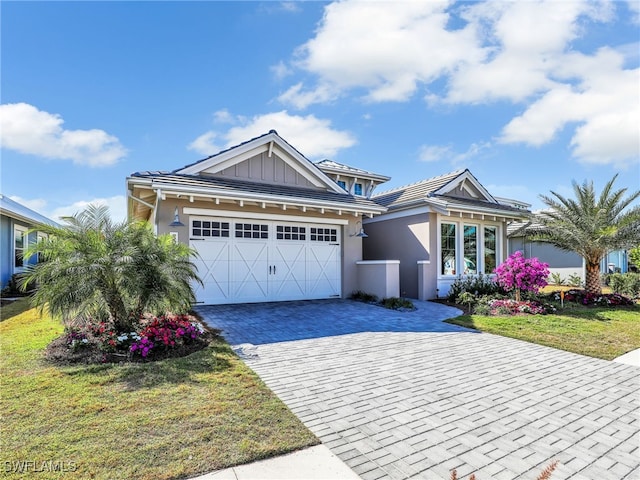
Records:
x=11, y=208
x=332, y=165
x=414, y=192
x=271, y=192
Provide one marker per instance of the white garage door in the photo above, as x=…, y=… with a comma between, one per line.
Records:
x=258, y=261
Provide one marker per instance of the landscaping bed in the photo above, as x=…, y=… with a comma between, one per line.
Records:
x=172, y=418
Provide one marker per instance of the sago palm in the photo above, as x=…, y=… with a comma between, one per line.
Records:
x=93, y=269
x=590, y=225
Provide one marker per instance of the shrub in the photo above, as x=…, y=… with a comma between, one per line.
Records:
x=575, y=280
x=518, y=273
x=164, y=333
x=361, y=296
x=514, y=307
x=477, y=285
x=627, y=284
x=585, y=298
x=557, y=279
x=395, y=303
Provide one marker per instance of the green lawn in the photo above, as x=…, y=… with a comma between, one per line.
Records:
x=170, y=419
x=601, y=332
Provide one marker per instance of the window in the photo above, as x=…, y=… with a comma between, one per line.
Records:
x=470, y=249
x=19, y=244
x=324, y=234
x=41, y=237
x=207, y=228
x=288, y=232
x=342, y=184
x=357, y=189
x=448, y=248
x=489, y=249
x=252, y=230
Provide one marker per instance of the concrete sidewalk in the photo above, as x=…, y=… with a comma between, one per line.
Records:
x=315, y=463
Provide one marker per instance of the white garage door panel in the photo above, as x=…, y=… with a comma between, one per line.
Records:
x=271, y=261
x=214, y=271
x=249, y=268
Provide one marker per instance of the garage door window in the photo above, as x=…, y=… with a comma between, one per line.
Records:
x=202, y=228
x=290, y=232
x=252, y=230
x=324, y=234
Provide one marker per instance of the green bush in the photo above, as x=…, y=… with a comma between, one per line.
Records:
x=478, y=286
x=625, y=284
x=575, y=280
x=557, y=279
x=361, y=296
x=395, y=303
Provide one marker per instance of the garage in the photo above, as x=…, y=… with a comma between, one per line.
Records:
x=255, y=260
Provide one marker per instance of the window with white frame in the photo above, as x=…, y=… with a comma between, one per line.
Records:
x=19, y=245
x=342, y=184
x=448, y=248
x=467, y=249
x=470, y=250
x=490, y=249
x=357, y=189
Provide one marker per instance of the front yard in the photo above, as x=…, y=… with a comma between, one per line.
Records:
x=602, y=332
x=168, y=419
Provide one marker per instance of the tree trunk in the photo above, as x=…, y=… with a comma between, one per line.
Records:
x=592, y=282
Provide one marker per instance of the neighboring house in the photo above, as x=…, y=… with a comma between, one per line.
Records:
x=15, y=222
x=560, y=261
x=267, y=224
x=439, y=229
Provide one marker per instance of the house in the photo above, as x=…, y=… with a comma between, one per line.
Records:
x=564, y=263
x=17, y=231
x=439, y=229
x=267, y=224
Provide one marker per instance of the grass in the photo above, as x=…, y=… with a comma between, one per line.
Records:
x=170, y=419
x=601, y=332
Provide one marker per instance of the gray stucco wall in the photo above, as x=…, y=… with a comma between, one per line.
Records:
x=544, y=252
x=407, y=239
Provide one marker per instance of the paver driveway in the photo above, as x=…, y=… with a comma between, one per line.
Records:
x=403, y=395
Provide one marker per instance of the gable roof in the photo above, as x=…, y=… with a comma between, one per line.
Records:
x=435, y=192
x=233, y=189
x=332, y=166
x=269, y=142
x=13, y=209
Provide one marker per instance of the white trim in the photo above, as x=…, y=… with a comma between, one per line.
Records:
x=464, y=176
x=25, y=244
x=271, y=143
x=424, y=262
x=401, y=214
x=260, y=198
x=261, y=216
x=378, y=262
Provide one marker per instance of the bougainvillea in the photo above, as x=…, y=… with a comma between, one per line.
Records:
x=517, y=273
x=514, y=307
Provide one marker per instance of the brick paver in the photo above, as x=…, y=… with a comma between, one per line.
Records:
x=400, y=395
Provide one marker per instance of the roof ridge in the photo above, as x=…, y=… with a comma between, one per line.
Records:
x=419, y=182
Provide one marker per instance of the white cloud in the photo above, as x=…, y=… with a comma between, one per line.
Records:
x=482, y=52
x=312, y=136
x=605, y=106
x=28, y=130
x=280, y=70
x=385, y=47
x=204, y=144
x=223, y=116
x=36, y=204
x=434, y=153
x=117, y=208
x=290, y=6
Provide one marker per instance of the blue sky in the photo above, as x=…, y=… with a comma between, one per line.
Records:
x=528, y=95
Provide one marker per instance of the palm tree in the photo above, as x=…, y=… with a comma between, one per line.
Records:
x=590, y=225
x=95, y=270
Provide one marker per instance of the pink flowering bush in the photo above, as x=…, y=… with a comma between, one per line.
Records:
x=514, y=307
x=518, y=273
x=164, y=333
x=598, y=299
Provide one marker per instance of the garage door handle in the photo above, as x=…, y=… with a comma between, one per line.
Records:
x=274, y=269
x=269, y=269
